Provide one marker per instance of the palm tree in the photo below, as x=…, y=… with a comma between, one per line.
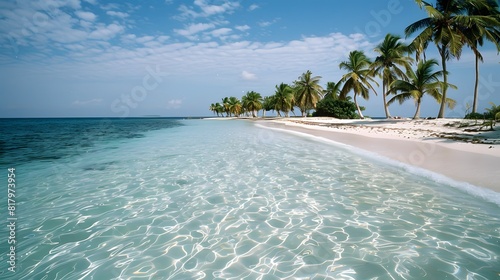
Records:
x=225, y=105
x=307, y=92
x=485, y=24
x=358, y=77
x=235, y=106
x=216, y=108
x=332, y=90
x=422, y=81
x=212, y=108
x=392, y=55
x=252, y=102
x=267, y=105
x=284, y=99
x=219, y=109
x=444, y=26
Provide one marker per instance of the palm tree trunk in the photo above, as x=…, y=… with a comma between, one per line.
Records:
x=476, y=86
x=357, y=107
x=384, y=95
x=417, y=112
x=442, y=52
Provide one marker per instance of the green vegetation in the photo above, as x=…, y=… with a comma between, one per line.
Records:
x=252, y=102
x=358, y=78
x=283, y=99
x=337, y=108
x=391, y=57
x=422, y=81
x=493, y=113
x=307, y=92
x=450, y=25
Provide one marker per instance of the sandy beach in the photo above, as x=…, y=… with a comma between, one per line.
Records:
x=462, y=150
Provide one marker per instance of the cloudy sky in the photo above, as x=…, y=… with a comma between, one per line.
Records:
x=63, y=58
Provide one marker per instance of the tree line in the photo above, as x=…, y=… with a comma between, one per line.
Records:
x=404, y=69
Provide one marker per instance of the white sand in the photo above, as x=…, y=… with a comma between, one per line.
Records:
x=449, y=147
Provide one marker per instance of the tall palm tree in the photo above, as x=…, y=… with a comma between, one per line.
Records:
x=444, y=26
x=392, y=57
x=333, y=90
x=422, y=81
x=235, y=106
x=307, y=92
x=284, y=99
x=358, y=77
x=485, y=24
x=252, y=102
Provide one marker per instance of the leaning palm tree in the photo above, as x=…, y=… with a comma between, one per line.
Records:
x=252, y=102
x=284, y=99
x=333, y=90
x=307, y=92
x=392, y=57
x=485, y=24
x=443, y=26
x=422, y=81
x=358, y=78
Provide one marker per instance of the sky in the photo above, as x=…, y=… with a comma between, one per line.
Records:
x=173, y=58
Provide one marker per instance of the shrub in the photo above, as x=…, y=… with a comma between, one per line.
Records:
x=474, y=116
x=341, y=109
x=492, y=113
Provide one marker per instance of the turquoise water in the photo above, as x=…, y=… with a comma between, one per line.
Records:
x=207, y=199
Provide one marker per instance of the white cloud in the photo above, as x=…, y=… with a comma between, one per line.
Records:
x=221, y=32
x=248, y=76
x=267, y=62
x=145, y=39
x=242, y=27
x=106, y=32
x=193, y=29
x=174, y=104
x=86, y=24
x=162, y=38
x=110, y=6
x=206, y=10
x=253, y=7
x=266, y=23
x=88, y=16
x=91, y=102
x=117, y=14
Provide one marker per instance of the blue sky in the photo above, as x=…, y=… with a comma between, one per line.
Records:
x=77, y=58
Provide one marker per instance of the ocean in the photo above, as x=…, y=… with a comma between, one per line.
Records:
x=159, y=198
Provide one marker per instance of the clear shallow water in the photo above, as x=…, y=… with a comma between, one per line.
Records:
x=205, y=199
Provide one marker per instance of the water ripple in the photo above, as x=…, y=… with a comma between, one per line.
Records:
x=148, y=216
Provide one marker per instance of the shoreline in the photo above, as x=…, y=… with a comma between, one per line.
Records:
x=402, y=141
